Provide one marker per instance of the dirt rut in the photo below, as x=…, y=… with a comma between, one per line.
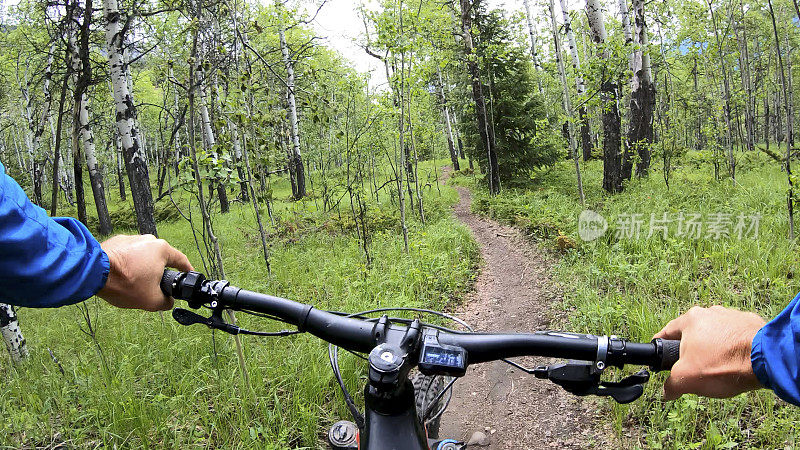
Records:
x=514, y=292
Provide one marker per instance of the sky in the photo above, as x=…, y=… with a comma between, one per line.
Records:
x=338, y=23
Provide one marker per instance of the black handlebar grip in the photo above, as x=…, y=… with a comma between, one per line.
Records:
x=168, y=281
x=670, y=353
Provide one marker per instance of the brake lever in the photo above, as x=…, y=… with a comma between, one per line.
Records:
x=215, y=321
x=583, y=378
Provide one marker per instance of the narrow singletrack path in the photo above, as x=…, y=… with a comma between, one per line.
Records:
x=513, y=292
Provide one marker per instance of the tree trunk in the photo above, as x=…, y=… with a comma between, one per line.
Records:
x=248, y=181
x=77, y=150
x=627, y=156
x=786, y=89
x=12, y=335
x=416, y=164
x=643, y=94
x=210, y=139
x=612, y=154
x=534, y=46
x=58, y=168
x=77, y=162
x=744, y=71
x=789, y=99
x=587, y=143
x=120, y=167
x=297, y=159
x=485, y=131
x=766, y=121
x=789, y=134
x=36, y=128
x=566, y=101
x=458, y=139
x=237, y=155
x=95, y=172
x=401, y=129
x=626, y=29
x=698, y=113
x=448, y=128
x=726, y=92
x=128, y=132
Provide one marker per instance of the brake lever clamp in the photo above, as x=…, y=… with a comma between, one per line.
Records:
x=215, y=321
x=583, y=378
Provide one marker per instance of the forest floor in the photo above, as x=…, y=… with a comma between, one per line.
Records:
x=514, y=292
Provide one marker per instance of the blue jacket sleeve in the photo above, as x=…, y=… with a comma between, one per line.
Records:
x=45, y=262
x=776, y=353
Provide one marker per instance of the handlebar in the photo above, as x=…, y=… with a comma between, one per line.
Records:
x=360, y=335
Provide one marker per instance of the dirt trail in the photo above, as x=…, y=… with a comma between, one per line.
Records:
x=513, y=292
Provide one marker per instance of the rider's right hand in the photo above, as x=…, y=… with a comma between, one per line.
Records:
x=137, y=265
x=715, y=352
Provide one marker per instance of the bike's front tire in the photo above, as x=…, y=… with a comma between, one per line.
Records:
x=426, y=390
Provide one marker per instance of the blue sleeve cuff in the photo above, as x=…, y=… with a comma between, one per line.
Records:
x=95, y=267
x=98, y=276
x=775, y=353
x=757, y=360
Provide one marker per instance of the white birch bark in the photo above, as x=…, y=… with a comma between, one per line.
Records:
x=643, y=94
x=297, y=163
x=178, y=142
x=125, y=115
x=641, y=57
x=626, y=30
x=20, y=161
x=594, y=14
x=12, y=335
x=565, y=99
x=532, y=33
x=140, y=135
x=38, y=131
x=35, y=128
x=573, y=48
x=534, y=44
x=77, y=150
x=580, y=85
x=65, y=181
x=450, y=141
x=208, y=136
x=208, y=132
x=120, y=83
x=612, y=154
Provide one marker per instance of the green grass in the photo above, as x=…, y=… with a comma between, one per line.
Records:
x=633, y=287
x=151, y=383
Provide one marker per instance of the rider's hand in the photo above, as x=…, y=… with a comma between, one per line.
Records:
x=715, y=352
x=137, y=264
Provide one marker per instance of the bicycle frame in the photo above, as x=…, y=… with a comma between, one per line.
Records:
x=391, y=420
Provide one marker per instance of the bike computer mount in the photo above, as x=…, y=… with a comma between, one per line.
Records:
x=441, y=359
